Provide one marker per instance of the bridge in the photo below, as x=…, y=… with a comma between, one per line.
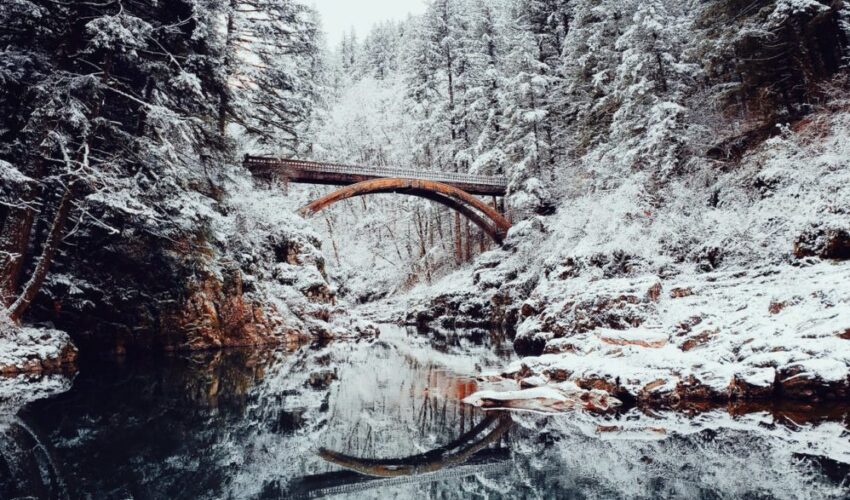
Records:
x=454, y=190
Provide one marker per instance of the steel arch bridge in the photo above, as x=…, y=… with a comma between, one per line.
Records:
x=453, y=190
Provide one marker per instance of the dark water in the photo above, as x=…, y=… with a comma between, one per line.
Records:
x=249, y=425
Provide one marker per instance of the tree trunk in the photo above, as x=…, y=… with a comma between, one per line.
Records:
x=15, y=239
x=441, y=228
x=332, y=237
x=230, y=48
x=13, y=249
x=662, y=75
x=57, y=232
x=431, y=227
x=142, y=110
x=421, y=232
x=458, y=240
x=536, y=138
x=467, y=256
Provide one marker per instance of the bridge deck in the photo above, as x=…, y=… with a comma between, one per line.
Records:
x=310, y=172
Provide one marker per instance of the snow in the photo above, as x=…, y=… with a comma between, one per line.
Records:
x=21, y=346
x=734, y=303
x=826, y=369
x=11, y=175
x=562, y=397
x=635, y=336
x=546, y=393
x=742, y=338
x=22, y=349
x=121, y=32
x=785, y=8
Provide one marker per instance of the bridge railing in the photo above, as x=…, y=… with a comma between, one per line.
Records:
x=339, y=168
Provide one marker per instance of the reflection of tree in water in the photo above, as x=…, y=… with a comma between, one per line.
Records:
x=388, y=399
x=155, y=428
x=234, y=423
x=26, y=464
x=668, y=455
x=247, y=425
x=399, y=404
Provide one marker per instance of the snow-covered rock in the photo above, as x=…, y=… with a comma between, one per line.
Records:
x=34, y=350
x=777, y=331
x=545, y=399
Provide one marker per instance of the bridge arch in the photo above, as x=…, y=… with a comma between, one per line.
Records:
x=482, y=215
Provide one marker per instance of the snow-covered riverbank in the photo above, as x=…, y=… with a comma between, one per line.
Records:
x=34, y=350
x=773, y=332
x=770, y=333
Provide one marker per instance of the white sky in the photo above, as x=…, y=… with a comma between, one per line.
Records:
x=339, y=16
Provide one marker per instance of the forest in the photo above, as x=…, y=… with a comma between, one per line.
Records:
x=678, y=189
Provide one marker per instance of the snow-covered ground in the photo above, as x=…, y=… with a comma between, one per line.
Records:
x=30, y=359
x=749, y=334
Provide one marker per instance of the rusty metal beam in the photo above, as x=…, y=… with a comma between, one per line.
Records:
x=495, y=234
x=310, y=172
x=447, y=195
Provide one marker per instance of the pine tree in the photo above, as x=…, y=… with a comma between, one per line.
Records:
x=381, y=50
x=487, y=107
x=424, y=85
x=588, y=65
x=85, y=130
x=270, y=59
x=528, y=98
x=766, y=56
x=649, y=88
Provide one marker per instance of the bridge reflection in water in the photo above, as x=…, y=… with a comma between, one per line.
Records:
x=469, y=454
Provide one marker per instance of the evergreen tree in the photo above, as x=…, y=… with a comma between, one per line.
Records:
x=487, y=107
x=649, y=88
x=381, y=50
x=528, y=87
x=270, y=58
x=112, y=120
x=766, y=56
x=588, y=63
x=423, y=94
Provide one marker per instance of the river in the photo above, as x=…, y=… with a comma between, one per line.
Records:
x=383, y=418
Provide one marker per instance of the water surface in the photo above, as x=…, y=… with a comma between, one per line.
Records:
x=239, y=424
